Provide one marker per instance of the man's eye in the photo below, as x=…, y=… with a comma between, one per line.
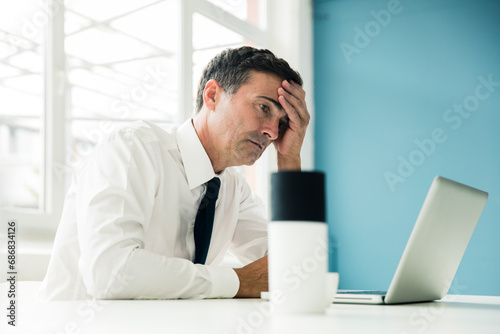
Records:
x=264, y=108
x=283, y=126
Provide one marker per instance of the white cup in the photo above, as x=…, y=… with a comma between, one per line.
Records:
x=332, y=283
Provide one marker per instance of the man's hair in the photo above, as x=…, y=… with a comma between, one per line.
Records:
x=232, y=68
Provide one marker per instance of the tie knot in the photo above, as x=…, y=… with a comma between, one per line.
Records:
x=213, y=187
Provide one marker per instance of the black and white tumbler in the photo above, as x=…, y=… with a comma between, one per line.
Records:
x=298, y=243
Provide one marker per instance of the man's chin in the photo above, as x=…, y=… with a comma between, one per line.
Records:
x=248, y=157
x=251, y=160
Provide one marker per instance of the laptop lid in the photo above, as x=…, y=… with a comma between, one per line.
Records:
x=437, y=243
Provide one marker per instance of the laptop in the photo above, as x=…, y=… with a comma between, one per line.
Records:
x=433, y=253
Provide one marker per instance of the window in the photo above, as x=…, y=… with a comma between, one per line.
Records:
x=73, y=71
x=21, y=109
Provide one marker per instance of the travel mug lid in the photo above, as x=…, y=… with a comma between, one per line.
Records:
x=298, y=196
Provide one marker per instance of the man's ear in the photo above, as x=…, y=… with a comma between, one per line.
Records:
x=211, y=94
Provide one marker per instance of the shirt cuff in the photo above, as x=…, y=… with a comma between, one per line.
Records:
x=225, y=282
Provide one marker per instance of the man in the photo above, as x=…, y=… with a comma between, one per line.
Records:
x=128, y=225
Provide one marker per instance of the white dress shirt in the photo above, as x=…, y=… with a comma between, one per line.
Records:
x=126, y=230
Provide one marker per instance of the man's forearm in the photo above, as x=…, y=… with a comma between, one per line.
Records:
x=253, y=279
x=287, y=163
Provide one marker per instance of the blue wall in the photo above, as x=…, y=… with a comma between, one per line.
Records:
x=388, y=93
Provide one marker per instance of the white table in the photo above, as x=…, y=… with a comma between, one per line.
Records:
x=455, y=314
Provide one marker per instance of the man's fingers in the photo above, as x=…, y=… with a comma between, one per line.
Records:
x=296, y=116
x=294, y=89
x=292, y=100
x=291, y=97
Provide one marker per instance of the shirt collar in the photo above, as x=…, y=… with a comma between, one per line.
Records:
x=196, y=162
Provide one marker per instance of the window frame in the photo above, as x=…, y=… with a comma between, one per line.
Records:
x=56, y=175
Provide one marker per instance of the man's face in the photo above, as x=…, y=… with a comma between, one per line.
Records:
x=249, y=120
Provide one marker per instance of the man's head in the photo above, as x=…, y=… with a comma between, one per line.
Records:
x=246, y=98
x=232, y=68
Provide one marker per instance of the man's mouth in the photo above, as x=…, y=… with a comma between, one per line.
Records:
x=260, y=146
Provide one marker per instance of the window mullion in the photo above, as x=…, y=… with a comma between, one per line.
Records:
x=55, y=112
x=186, y=61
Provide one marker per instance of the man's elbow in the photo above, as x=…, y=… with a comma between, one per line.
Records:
x=109, y=286
x=107, y=281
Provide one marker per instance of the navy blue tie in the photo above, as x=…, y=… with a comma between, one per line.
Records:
x=204, y=222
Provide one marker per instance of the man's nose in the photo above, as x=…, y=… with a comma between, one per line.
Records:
x=271, y=129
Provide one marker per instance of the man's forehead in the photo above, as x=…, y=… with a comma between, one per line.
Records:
x=264, y=80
